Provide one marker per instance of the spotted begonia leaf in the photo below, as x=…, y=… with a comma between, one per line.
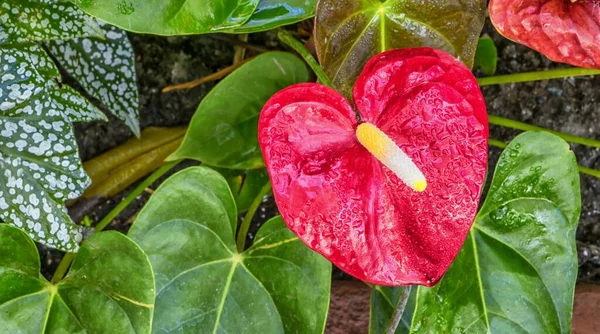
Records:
x=39, y=160
x=105, y=69
x=346, y=204
x=24, y=21
x=566, y=31
x=109, y=288
x=349, y=33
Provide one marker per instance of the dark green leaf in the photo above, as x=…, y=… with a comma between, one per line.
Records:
x=383, y=304
x=171, y=17
x=110, y=288
x=24, y=21
x=516, y=272
x=486, y=56
x=349, y=33
x=38, y=153
x=274, y=13
x=223, y=131
x=105, y=68
x=203, y=285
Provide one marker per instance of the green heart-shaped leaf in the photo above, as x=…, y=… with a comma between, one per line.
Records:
x=109, y=289
x=274, y=13
x=223, y=131
x=171, y=17
x=349, y=33
x=23, y=21
x=517, y=269
x=204, y=285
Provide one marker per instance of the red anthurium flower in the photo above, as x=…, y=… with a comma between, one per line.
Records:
x=566, y=31
x=391, y=197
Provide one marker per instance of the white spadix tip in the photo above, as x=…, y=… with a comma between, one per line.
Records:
x=389, y=154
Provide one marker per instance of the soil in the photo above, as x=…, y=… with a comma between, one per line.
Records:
x=566, y=105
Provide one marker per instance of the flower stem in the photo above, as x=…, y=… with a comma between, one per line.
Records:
x=589, y=171
x=509, y=123
x=62, y=268
x=399, y=311
x=287, y=38
x=497, y=143
x=66, y=261
x=135, y=193
x=582, y=170
x=535, y=76
x=241, y=237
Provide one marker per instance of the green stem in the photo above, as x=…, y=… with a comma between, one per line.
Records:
x=135, y=193
x=66, y=261
x=535, y=76
x=497, y=143
x=399, y=311
x=589, y=171
x=509, y=123
x=287, y=38
x=241, y=238
x=63, y=266
x=582, y=170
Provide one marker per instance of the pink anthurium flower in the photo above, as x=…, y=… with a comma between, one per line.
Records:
x=566, y=31
x=390, y=197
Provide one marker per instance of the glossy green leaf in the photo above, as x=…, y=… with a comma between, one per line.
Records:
x=39, y=157
x=171, y=17
x=247, y=186
x=486, y=56
x=223, y=131
x=109, y=289
x=349, y=33
x=274, y=13
x=105, y=68
x=383, y=304
x=516, y=272
x=23, y=21
x=204, y=285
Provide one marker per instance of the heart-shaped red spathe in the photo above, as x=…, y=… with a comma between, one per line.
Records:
x=562, y=30
x=344, y=203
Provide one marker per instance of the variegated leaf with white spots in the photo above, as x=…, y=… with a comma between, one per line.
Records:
x=105, y=69
x=39, y=161
x=24, y=21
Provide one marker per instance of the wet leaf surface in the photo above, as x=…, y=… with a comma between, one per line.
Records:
x=39, y=157
x=203, y=284
x=109, y=289
x=349, y=33
x=223, y=131
x=344, y=203
x=274, y=13
x=564, y=31
x=171, y=17
x=105, y=68
x=516, y=272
